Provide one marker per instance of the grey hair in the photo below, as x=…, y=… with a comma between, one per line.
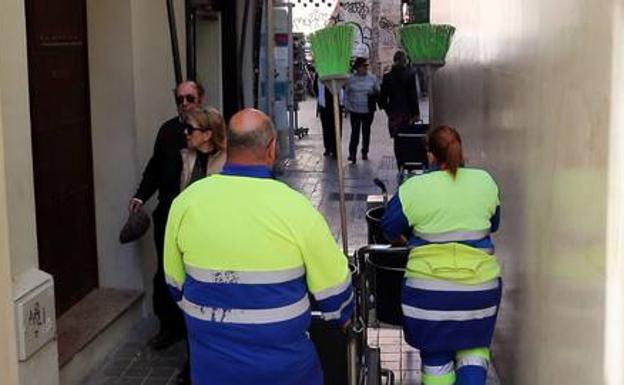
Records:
x=253, y=139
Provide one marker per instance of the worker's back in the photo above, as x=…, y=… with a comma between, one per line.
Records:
x=245, y=250
x=438, y=203
x=451, y=220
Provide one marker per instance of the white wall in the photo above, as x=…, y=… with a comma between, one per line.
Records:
x=8, y=354
x=113, y=136
x=247, y=64
x=529, y=85
x=17, y=145
x=209, y=59
x=18, y=237
x=131, y=79
x=614, y=332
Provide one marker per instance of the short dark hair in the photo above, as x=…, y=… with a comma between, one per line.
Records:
x=358, y=62
x=198, y=87
x=399, y=57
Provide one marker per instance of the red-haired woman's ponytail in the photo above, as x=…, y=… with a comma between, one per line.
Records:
x=445, y=144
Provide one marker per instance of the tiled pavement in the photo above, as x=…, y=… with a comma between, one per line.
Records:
x=315, y=176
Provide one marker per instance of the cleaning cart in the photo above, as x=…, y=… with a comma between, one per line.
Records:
x=426, y=45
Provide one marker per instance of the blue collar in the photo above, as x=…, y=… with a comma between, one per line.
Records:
x=253, y=171
x=434, y=167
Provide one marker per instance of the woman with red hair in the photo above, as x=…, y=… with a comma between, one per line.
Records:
x=452, y=286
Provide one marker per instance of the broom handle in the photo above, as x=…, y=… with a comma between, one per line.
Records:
x=343, y=208
x=430, y=72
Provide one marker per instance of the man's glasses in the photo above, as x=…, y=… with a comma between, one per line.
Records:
x=189, y=98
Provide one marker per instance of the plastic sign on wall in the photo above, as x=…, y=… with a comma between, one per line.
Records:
x=34, y=312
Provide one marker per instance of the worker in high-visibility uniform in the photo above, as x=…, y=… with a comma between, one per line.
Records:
x=452, y=287
x=242, y=253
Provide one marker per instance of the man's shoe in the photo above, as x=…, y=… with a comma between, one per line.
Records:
x=364, y=156
x=163, y=340
x=326, y=153
x=184, y=377
x=351, y=159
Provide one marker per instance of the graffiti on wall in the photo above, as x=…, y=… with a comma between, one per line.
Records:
x=359, y=8
x=389, y=21
x=358, y=14
x=311, y=21
x=311, y=15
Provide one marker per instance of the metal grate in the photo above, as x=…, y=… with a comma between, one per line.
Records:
x=388, y=163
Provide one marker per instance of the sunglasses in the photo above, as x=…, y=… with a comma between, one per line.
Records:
x=189, y=129
x=189, y=98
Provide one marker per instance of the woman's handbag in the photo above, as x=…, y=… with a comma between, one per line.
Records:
x=372, y=101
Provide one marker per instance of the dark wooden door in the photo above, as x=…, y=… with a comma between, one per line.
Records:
x=61, y=146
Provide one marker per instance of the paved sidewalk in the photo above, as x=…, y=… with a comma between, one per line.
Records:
x=315, y=176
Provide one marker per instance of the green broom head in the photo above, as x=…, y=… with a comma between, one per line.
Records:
x=426, y=43
x=332, y=48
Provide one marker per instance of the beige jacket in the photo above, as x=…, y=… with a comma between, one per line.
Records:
x=214, y=165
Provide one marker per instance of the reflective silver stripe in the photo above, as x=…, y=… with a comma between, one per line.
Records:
x=437, y=285
x=328, y=316
x=244, y=277
x=447, y=315
x=438, y=370
x=324, y=294
x=472, y=361
x=246, y=316
x=172, y=282
x=451, y=236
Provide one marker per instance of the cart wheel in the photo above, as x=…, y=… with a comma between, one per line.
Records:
x=373, y=366
x=389, y=375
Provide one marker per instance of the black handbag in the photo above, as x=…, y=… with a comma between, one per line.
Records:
x=372, y=102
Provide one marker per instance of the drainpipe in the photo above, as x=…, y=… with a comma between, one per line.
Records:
x=191, y=59
x=175, y=50
x=270, y=60
x=374, y=55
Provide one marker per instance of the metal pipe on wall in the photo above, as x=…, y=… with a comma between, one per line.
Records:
x=241, y=52
x=191, y=56
x=270, y=60
x=175, y=50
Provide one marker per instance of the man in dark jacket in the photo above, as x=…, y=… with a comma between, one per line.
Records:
x=399, y=95
x=325, y=100
x=162, y=174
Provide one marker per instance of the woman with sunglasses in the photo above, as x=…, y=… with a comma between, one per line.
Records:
x=205, y=139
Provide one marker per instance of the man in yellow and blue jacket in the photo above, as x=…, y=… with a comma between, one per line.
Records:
x=242, y=254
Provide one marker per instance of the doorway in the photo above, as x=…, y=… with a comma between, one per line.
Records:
x=61, y=146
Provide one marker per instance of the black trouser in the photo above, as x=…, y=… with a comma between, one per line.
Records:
x=165, y=308
x=327, y=123
x=363, y=122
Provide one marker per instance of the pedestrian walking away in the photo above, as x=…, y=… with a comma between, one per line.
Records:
x=243, y=280
x=452, y=286
x=325, y=100
x=399, y=96
x=361, y=93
